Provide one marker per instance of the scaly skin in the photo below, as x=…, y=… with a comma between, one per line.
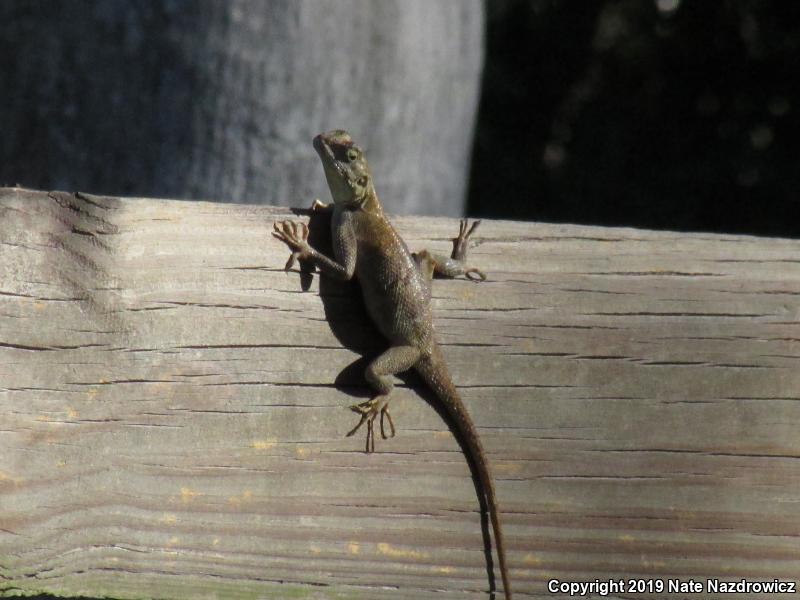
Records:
x=396, y=288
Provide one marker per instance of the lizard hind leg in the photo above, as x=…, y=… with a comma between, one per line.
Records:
x=379, y=375
x=454, y=265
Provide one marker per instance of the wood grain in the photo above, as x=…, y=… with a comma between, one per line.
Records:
x=174, y=408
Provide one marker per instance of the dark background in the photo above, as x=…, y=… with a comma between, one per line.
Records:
x=667, y=115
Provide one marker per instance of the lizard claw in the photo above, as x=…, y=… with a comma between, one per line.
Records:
x=461, y=241
x=385, y=413
x=294, y=235
x=369, y=411
x=319, y=206
x=474, y=274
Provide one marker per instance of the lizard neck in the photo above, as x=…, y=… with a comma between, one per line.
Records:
x=371, y=204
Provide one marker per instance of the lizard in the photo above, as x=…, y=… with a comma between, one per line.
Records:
x=395, y=285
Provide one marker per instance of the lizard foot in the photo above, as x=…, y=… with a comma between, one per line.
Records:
x=368, y=411
x=460, y=245
x=294, y=235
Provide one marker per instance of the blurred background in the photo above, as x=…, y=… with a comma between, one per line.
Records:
x=664, y=114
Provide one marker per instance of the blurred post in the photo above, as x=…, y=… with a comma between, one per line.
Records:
x=220, y=100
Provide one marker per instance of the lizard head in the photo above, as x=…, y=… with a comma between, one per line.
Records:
x=346, y=169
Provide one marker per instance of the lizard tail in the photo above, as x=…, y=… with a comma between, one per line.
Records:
x=434, y=371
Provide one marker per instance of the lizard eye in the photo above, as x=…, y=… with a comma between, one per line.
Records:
x=352, y=154
x=362, y=181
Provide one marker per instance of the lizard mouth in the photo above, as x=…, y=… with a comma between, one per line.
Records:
x=323, y=148
x=320, y=144
x=325, y=152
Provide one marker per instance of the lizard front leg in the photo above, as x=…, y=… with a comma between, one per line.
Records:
x=345, y=247
x=379, y=375
x=456, y=264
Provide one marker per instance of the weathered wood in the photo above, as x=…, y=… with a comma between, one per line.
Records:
x=171, y=427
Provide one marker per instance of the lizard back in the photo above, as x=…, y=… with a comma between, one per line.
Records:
x=395, y=292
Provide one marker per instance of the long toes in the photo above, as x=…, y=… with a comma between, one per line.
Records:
x=370, y=436
x=385, y=413
x=362, y=408
x=278, y=231
x=357, y=427
x=369, y=411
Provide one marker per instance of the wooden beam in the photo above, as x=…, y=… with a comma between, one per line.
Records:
x=174, y=408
